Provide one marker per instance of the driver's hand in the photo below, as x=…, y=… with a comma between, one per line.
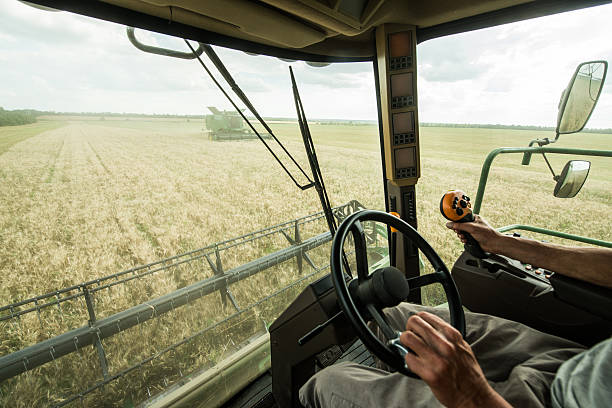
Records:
x=447, y=364
x=487, y=236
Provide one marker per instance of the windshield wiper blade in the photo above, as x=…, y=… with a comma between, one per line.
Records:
x=314, y=166
x=312, y=156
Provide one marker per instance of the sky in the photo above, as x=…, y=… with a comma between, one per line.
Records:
x=511, y=74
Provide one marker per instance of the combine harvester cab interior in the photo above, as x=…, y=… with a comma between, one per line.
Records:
x=239, y=345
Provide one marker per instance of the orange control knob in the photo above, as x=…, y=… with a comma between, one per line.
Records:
x=456, y=206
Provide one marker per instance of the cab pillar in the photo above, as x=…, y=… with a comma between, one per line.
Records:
x=396, y=85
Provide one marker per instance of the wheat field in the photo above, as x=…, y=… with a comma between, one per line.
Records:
x=83, y=198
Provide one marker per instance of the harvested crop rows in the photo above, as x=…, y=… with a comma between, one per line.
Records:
x=91, y=198
x=85, y=199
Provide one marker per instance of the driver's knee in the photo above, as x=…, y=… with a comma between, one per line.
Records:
x=321, y=387
x=352, y=385
x=398, y=316
x=340, y=385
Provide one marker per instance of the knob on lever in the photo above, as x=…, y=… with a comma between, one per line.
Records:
x=455, y=206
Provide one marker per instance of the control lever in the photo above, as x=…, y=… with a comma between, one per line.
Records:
x=317, y=330
x=455, y=206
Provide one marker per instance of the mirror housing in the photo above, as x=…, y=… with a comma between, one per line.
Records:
x=578, y=100
x=572, y=178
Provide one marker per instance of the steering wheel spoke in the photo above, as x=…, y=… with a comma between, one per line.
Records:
x=380, y=320
x=361, y=251
x=425, y=280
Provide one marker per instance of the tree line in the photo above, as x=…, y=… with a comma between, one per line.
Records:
x=498, y=126
x=17, y=117
x=25, y=116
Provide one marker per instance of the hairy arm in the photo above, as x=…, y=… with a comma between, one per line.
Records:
x=589, y=264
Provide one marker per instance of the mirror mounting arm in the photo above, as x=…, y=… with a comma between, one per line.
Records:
x=540, y=143
x=555, y=177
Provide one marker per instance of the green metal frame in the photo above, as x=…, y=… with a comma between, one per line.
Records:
x=484, y=174
x=563, y=235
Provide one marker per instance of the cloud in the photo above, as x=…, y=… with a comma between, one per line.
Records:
x=446, y=71
x=253, y=83
x=275, y=71
x=509, y=74
x=500, y=85
x=452, y=59
x=523, y=68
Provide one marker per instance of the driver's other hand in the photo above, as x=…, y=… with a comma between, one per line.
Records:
x=446, y=363
x=487, y=237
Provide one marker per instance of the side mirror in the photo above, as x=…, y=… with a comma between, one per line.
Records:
x=580, y=97
x=577, y=102
x=572, y=178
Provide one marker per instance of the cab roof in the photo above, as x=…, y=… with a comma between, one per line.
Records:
x=312, y=30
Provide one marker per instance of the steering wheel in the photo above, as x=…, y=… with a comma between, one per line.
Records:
x=385, y=287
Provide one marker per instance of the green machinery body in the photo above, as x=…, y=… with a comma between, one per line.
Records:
x=228, y=125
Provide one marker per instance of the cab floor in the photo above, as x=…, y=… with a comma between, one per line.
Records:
x=259, y=393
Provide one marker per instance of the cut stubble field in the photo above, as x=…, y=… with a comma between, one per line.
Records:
x=87, y=200
x=84, y=199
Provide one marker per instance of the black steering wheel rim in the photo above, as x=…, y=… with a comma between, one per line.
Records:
x=345, y=299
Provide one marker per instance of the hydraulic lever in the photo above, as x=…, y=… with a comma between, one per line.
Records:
x=455, y=206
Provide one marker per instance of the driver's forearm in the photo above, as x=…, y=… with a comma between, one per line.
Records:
x=490, y=399
x=589, y=264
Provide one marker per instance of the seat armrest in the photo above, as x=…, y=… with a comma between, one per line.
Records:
x=587, y=296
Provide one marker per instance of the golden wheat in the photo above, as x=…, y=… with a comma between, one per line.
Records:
x=95, y=197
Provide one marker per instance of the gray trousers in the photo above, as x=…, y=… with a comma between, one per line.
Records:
x=519, y=362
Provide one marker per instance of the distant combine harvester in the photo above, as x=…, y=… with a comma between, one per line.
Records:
x=228, y=125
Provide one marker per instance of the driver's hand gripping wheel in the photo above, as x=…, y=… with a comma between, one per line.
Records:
x=455, y=206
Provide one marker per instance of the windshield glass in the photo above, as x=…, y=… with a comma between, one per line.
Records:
x=136, y=200
x=148, y=234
